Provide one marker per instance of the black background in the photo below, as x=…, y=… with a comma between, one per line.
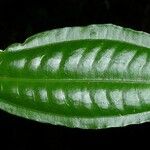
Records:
x=18, y=21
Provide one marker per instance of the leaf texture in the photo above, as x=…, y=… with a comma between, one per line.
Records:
x=86, y=77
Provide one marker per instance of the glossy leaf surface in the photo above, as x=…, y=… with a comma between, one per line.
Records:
x=87, y=77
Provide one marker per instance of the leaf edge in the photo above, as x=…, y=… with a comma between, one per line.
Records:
x=95, y=31
x=76, y=122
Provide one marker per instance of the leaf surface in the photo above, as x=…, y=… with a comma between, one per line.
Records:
x=86, y=77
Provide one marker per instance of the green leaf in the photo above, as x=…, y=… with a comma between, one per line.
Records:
x=86, y=77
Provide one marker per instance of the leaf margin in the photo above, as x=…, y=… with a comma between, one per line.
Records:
x=90, y=32
x=75, y=122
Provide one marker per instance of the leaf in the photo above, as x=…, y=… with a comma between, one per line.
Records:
x=86, y=77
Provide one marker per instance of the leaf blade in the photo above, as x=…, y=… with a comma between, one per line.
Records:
x=87, y=78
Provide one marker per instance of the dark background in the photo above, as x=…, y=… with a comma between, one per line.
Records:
x=18, y=21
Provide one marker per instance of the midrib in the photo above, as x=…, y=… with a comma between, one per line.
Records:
x=81, y=80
